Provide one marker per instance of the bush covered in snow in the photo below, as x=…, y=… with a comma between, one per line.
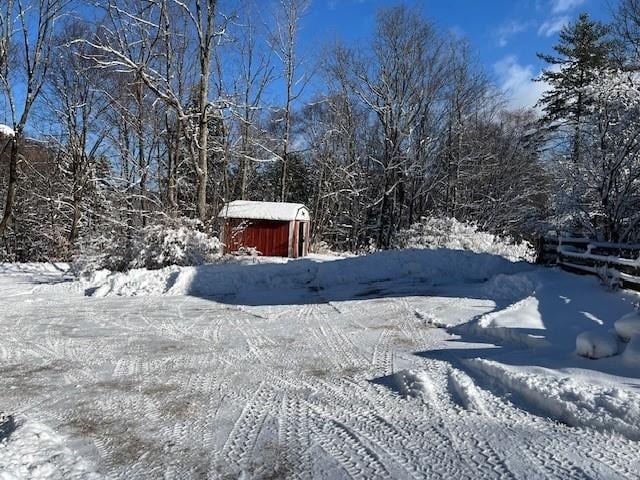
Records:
x=597, y=344
x=442, y=232
x=152, y=247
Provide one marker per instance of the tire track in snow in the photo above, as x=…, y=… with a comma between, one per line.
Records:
x=239, y=446
x=545, y=458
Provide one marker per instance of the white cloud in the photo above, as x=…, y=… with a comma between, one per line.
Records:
x=560, y=6
x=507, y=30
x=553, y=26
x=516, y=81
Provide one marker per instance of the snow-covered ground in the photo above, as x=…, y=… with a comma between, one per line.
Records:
x=405, y=364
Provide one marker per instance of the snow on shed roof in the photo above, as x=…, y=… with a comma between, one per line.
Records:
x=6, y=131
x=264, y=210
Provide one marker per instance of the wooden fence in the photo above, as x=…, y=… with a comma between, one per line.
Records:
x=613, y=262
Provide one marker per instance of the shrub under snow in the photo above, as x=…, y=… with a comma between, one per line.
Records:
x=597, y=344
x=442, y=232
x=152, y=247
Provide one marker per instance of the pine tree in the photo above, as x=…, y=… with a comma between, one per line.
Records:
x=583, y=52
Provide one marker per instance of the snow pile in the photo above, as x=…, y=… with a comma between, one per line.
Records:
x=520, y=323
x=6, y=131
x=442, y=232
x=566, y=399
x=628, y=326
x=631, y=354
x=35, y=451
x=597, y=344
x=152, y=247
x=412, y=267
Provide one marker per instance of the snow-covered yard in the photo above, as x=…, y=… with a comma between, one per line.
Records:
x=406, y=364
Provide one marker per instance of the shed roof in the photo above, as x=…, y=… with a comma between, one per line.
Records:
x=279, y=211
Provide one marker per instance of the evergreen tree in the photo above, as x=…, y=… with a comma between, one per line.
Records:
x=583, y=52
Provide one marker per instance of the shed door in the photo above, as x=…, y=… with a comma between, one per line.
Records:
x=270, y=238
x=301, y=239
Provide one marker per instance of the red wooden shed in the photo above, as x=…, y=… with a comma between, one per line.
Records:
x=274, y=229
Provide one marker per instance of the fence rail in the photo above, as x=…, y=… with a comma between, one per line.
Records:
x=615, y=262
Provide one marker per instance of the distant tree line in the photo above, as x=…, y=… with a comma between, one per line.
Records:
x=131, y=113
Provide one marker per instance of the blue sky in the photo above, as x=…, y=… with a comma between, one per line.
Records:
x=504, y=34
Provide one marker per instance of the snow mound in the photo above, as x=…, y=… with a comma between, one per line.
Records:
x=390, y=268
x=517, y=324
x=465, y=391
x=6, y=131
x=566, y=399
x=631, y=354
x=35, y=451
x=410, y=383
x=628, y=325
x=597, y=344
x=443, y=232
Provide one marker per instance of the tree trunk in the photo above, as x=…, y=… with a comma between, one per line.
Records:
x=203, y=140
x=11, y=187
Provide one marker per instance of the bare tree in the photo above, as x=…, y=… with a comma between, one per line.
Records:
x=397, y=82
x=255, y=72
x=626, y=25
x=78, y=107
x=31, y=43
x=146, y=23
x=284, y=40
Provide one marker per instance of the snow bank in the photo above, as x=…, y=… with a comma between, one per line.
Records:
x=6, y=131
x=420, y=267
x=517, y=324
x=35, y=451
x=449, y=233
x=628, y=325
x=597, y=344
x=566, y=399
x=631, y=354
